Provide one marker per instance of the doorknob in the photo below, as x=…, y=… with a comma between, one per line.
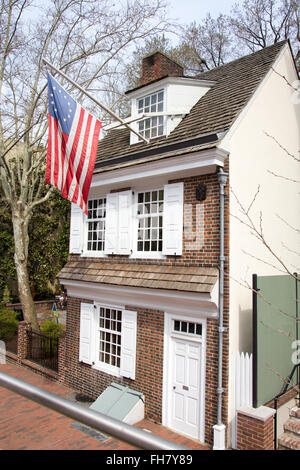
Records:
x=174, y=388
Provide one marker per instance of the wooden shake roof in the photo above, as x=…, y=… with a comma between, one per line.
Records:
x=199, y=280
x=214, y=113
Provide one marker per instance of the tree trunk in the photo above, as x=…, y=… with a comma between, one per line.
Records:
x=20, y=228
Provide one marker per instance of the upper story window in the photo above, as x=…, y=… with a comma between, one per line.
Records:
x=152, y=103
x=151, y=127
x=150, y=221
x=142, y=224
x=96, y=224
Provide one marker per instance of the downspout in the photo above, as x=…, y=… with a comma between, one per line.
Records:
x=219, y=428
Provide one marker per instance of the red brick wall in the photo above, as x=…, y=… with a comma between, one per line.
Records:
x=41, y=306
x=201, y=251
x=149, y=364
x=254, y=434
x=157, y=66
x=149, y=359
x=201, y=228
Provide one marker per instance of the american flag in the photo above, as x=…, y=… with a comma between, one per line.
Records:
x=72, y=145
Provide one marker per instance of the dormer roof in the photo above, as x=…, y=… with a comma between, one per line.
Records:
x=214, y=113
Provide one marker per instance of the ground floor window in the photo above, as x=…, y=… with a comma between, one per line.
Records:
x=108, y=339
x=110, y=330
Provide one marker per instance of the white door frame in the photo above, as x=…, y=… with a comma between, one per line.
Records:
x=168, y=335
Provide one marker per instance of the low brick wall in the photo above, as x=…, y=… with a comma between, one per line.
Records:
x=255, y=428
x=21, y=357
x=41, y=306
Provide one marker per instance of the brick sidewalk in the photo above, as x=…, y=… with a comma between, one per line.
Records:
x=26, y=425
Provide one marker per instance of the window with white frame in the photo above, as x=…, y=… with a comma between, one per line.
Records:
x=96, y=224
x=189, y=328
x=138, y=224
x=151, y=127
x=150, y=207
x=109, y=336
x=107, y=339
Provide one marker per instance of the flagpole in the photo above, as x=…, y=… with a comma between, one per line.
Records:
x=109, y=111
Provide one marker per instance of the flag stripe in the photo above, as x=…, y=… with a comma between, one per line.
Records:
x=82, y=159
x=72, y=146
x=77, y=157
x=60, y=161
x=90, y=168
x=53, y=150
x=49, y=152
x=56, y=162
x=82, y=179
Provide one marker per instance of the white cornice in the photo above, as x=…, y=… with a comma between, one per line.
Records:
x=177, y=302
x=182, y=166
x=152, y=87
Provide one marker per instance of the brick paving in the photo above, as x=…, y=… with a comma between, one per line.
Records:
x=26, y=425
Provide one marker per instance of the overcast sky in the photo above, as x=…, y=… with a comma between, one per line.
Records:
x=187, y=11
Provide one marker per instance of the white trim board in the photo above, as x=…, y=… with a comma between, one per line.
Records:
x=205, y=162
x=175, y=302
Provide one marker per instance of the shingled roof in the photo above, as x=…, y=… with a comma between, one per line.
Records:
x=201, y=280
x=215, y=112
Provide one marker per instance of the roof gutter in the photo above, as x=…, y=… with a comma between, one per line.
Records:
x=183, y=144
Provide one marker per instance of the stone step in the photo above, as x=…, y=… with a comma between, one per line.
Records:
x=292, y=426
x=295, y=413
x=289, y=442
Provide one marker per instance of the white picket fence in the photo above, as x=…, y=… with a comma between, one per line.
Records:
x=243, y=383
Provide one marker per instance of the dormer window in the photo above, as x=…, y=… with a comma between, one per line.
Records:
x=163, y=99
x=151, y=127
x=152, y=103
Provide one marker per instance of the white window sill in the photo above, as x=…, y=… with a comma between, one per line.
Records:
x=107, y=369
x=135, y=255
x=93, y=254
x=147, y=255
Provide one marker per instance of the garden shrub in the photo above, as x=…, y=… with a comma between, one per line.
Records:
x=52, y=329
x=8, y=324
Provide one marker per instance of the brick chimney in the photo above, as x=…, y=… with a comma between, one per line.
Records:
x=157, y=66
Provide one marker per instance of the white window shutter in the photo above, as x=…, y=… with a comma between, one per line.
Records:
x=111, y=223
x=76, y=229
x=125, y=222
x=86, y=341
x=173, y=219
x=128, y=344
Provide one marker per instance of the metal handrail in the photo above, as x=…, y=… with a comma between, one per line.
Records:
x=287, y=382
x=125, y=432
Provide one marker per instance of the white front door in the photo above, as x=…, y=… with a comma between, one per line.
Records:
x=184, y=392
x=186, y=387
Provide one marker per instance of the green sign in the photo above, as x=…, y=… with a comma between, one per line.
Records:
x=275, y=330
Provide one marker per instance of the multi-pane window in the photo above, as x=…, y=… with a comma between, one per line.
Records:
x=153, y=126
x=187, y=327
x=150, y=220
x=110, y=327
x=96, y=224
x=151, y=104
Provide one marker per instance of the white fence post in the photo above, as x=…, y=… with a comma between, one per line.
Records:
x=2, y=352
x=243, y=381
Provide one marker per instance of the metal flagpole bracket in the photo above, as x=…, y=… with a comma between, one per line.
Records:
x=109, y=111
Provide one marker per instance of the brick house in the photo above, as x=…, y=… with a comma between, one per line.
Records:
x=148, y=305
